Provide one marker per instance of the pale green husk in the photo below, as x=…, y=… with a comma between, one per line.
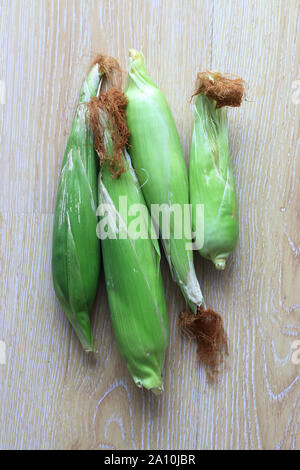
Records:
x=76, y=248
x=212, y=180
x=133, y=277
x=157, y=157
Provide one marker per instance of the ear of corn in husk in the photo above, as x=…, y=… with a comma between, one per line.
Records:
x=158, y=160
x=132, y=265
x=211, y=176
x=76, y=247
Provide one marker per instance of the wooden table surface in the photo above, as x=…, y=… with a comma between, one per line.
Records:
x=52, y=395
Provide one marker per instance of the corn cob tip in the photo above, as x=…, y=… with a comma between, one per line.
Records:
x=207, y=328
x=91, y=351
x=157, y=391
x=152, y=383
x=134, y=54
x=226, y=91
x=137, y=58
x=220, y=263
x=88, y=346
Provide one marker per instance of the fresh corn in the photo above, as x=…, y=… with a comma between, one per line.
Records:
x=131, y=264
x=160, y=167
x=211, y=176
x=76, y=248
x=158, y=160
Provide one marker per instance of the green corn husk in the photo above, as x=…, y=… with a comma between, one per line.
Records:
x=211, y=176
x=76, y=247
x=131, y=265
x=158, y=160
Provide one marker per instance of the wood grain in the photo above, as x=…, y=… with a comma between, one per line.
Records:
x=51, y=394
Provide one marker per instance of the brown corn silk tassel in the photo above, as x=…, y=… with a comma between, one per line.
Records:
x=111, y=70
x=207, y=329
x=113, y=103
x=225, y=90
